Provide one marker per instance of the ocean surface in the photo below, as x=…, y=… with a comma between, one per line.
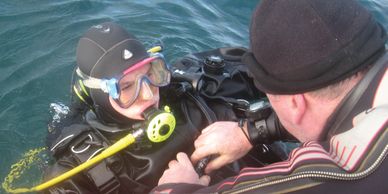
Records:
x=38, y=39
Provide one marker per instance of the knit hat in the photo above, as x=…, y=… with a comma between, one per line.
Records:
x=303, y=45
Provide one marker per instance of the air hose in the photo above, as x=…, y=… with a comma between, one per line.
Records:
x=159, y=127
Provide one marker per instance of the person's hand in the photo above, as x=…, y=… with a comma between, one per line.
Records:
x=225, y=140
x=182, y=171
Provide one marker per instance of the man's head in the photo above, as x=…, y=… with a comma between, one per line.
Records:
x=299, y=49
x=122, y=78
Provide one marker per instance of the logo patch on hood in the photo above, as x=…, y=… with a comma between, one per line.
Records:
x=127, y=54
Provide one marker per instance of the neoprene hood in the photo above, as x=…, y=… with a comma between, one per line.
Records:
x=102, y=53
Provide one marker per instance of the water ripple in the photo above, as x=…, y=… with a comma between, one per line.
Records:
x=38, y=40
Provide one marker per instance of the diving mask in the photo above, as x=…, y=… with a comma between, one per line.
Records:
x=125, y=88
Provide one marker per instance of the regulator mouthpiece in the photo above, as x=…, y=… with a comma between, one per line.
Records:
x=160, y=124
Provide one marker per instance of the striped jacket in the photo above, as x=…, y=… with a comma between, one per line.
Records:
x=352, y=159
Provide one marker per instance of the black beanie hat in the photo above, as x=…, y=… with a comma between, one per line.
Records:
x=105, y=51
x=302, y=45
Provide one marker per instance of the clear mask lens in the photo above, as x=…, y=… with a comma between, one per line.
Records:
x=155, y=74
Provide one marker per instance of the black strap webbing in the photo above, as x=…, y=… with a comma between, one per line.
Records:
x=354, y=97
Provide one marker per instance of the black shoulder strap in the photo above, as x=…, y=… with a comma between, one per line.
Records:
x=207, y=112
x=348, y=104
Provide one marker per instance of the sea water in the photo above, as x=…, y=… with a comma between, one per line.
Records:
x=38, y=39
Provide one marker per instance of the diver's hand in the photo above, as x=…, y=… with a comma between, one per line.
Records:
x=224, y=140
x=182, y=171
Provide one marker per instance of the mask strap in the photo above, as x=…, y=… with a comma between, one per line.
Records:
x=88, y=81
x=94, y=83
x=107, y=86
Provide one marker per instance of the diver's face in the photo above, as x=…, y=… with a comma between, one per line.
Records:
x=148, y=96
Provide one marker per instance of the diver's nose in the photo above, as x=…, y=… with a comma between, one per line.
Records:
x=146, y=92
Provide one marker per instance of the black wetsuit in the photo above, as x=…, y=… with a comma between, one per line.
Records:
x=195, y=100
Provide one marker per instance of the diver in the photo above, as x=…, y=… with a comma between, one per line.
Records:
x=118, y=84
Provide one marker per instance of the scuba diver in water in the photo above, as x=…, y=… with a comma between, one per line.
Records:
x=120, y=85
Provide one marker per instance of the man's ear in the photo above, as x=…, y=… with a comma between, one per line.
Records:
x=298, y=105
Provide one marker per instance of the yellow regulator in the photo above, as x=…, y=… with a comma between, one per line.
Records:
x=159, y=126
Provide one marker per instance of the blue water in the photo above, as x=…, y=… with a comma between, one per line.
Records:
x=38, y=40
